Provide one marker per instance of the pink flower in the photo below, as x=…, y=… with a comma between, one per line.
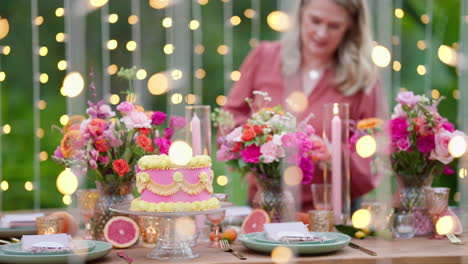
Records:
x=447, y=170
x=271, y=152
x=136, y=119
x=403, y=144
x=168, y=132
x=399, y=128
x=177, y=122
x=103, y=159
x=92, y=164
x=440, y=152
x=448, y=126
x=158, y=118
x=125, y=107
x=308, y=169
x=235, y=135
x=251, y=154
x=408, y=99
x=58, y=153
x=398, y=112
x=225, y=154
x=425, y=144
x=163, y=144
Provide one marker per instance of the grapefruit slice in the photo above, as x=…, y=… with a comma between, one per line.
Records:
x=121, y=232
x=255, y=221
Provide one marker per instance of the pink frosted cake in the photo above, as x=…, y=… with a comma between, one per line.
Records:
x=166, y=187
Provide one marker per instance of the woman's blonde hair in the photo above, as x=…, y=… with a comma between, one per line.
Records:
x=354, y=67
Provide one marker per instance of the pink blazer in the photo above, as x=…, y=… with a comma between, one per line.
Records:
x=261, y=70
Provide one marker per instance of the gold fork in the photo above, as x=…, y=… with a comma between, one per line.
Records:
x=226, y=247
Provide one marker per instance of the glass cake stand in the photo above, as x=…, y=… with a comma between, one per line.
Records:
x=177, y=231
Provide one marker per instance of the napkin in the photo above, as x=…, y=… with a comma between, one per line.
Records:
x=294, y=231
x=19, y=220
x=46, y=243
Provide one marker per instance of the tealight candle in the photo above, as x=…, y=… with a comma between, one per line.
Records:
x=48, y=225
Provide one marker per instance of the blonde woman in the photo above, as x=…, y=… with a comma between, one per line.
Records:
x=326, y=57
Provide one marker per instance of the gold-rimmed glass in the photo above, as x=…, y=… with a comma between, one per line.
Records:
x=216, y=218
x=86, y=202
x=48, y=225
x=149, y=230
x=437, y=204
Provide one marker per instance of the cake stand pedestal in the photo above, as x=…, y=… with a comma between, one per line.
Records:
x=176, y=238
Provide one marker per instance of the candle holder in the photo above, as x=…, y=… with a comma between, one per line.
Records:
x=149, y=230
x=321, y=221
x=336, y=135
x=199, y=128
x=379, y=214
x=48, y=225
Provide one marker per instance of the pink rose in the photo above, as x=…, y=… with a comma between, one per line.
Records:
x=398, y=112
x=440, y=152
x=403, y=144
x=125, y=107
x=136, y=119
x=408, y=99
x=271, y=152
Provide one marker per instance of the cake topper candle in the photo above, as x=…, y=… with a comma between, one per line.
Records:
x=196, y=135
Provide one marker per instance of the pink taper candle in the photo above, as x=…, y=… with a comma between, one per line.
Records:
x=196, y=135
x=336, y=164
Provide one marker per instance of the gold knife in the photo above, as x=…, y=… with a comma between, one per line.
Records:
x=365, y=250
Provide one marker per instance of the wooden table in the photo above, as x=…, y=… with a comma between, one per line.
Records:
x=409, y=251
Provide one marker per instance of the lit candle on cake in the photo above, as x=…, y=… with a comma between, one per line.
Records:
x=336, y=163
x=196, y=135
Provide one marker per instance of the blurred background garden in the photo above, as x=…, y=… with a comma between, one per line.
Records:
x=186, y=52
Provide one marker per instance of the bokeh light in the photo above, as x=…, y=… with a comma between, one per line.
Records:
x=396, y=66
x=44, y=78
x=421, y=70
x=60, y=37
x=203, y=2
x=366, y=146
x=200, y=74
x=141, y=74
x=399, y=13
x=167, y=22
x=425, y=19
x=435, y=94
x=4, y=27
x=361, y=218
x=43, y=156
x=297, y=101
x=222, y=49
x=158, y=84
x=168, y=49
x=64, y=120
x=221, y=100
x=112, y=44
x=66, y=199
x=177, y=98
x=159, y=4
x=113, y=18
x=457, y=146
x=2, y=76
x=40, y=133
x=97, y=3
x=41, y=105
x=176, y=74
x=6, y=129
x=4, y=185
x=43, y=51
x=114, y=99
x=199, y=49
x=447, y=55
x=444, y=225
x=235, y=75
x=421, y=44
x=131, y=45
x=67, y=183
x=73, y=84
x=62, y=65
x=235, y=20
x=28, y=186
x=222, y=180
x=293, y=175
x=462, y=173
x=6, y=50
x=133, y=19
x=281, y=255
x=278, y=21
x=249, y=13
x=112, y=69
x=180, y=152
x=191, y=99
x=381, y=56
x=59, y=12
x=194, y=24
x=39, y=20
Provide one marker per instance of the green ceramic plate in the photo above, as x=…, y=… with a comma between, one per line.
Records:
x=79, y=245
x=329, y=238
x=17, y=232
x=100, y=250
x=340, y=241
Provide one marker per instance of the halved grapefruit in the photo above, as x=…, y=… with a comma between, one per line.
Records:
x=121, y=232
x=255, y=221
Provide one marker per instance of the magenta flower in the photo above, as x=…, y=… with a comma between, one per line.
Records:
x=177, y=122
x=308, y=169
x=403, y=144
x=399, y=128
x=426, y=144
x=103, y=159
x=251, y=154
x=163, y=144
x=168, y=132
x=447, y=170
x=125, y=107
x=58, y=153
x=158, y=118
x=448, y=126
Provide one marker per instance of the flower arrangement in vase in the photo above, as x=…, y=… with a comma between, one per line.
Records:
x=268, y=142
x=111, y=146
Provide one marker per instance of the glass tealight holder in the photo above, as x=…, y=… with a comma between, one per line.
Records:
x=403, y=225
x=48, y=225
x=149, y=230
x=321, y=221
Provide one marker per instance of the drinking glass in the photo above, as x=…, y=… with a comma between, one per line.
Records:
x=86, y=202
x=48, y=225
x=149, y=230
x=437, y=204
x=216, y=218
x=321, y=196
x=321, y=221
x=403, y=225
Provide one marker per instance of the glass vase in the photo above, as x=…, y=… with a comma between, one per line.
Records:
x=277, y=201
x=412, y=200
x=110, y=193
